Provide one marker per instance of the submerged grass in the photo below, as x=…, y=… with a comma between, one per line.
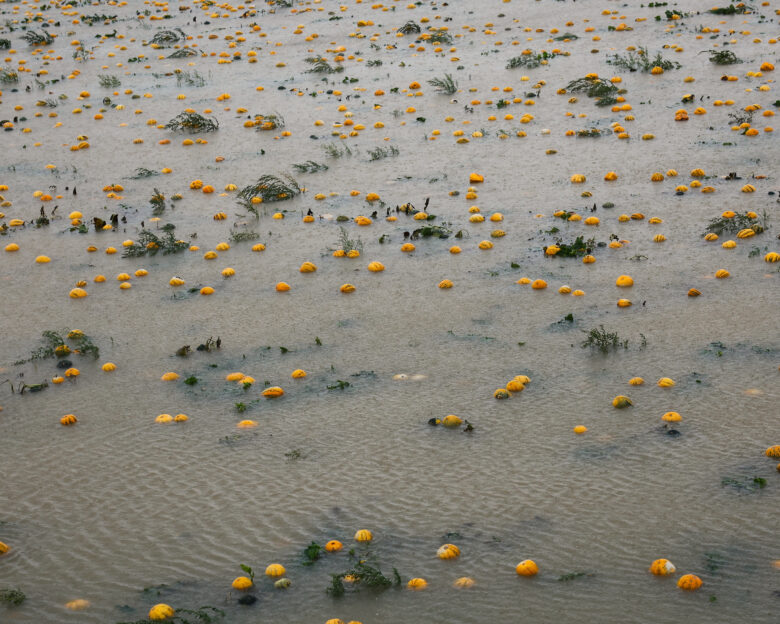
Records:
x=723, y=57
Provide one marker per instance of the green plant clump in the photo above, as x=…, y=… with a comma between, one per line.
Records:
x=192, y=122
x=269, y=188
x=12, y=597
x=149, y=244
x=599, y=338
x=602, y=90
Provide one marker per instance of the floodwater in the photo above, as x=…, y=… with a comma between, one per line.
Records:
x=126, y=513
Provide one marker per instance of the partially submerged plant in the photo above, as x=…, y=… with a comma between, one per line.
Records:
x=189, y=78
x=336, y=151
x=723, y=57
x=578, y=247
x=599, y=338
x=241, y=237
x=312, y=552
x=310, y=167
x=271, y=121
x=365, y=574
x=35, y=38
x=320, y=65
x=12, y=597
x=410, y=28
x=530, y=61
x=8, y=75
x=740, y=221
x=182, y=53
x=158, y=202
x=268, y=189
x=383, y=152
x=604, y=91
x=446, y=85
x=150, y=244
x=192, y=122
x=165, y=38
x=741, y=9
x=641, y=61
x=347, y=244
x=143, y=172
x=108, y=81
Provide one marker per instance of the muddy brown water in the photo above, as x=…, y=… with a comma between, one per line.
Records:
x=126, y=513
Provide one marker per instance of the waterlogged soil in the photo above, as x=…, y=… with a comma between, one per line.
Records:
x=125, y=512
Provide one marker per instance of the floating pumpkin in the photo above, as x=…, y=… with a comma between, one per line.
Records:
x=451, y=421
x=176, y=281
x=539, y=284
x=161, y=612
x=77, y=605
x=78, y=293
x=722, y=273
x=501, y=393
x=376, y=267
x=464, y=582
x=275, y=570
x=347, y=288
x=636, y=381
x=666, y=382
x=247, y=424
x=445, y=284
x=624, y=281
x=417, y=584
x=448, y=551
x=662, y=567
x=527, y=567
x=515, y=386
x=671, y=417
x=407, y=247
x=624, y=303
x=621, y=401
x=282, y=287
x=163, y=419
x=108, y=367
x=333, y=546
x=578, y=178
x=772, y=257
x=693, y=292
x=242, y=583
x=169, y=376
x=580, y=429
x=4, y=548
x=689, y=582
x=773, y=451
x=68, y=419
x=273, y=392
x=363, y=535
x=308, y=267
x=589, y=259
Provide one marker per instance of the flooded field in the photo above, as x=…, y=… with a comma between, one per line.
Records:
x=586, y=196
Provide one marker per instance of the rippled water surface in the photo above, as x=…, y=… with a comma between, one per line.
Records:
x=126, y=513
